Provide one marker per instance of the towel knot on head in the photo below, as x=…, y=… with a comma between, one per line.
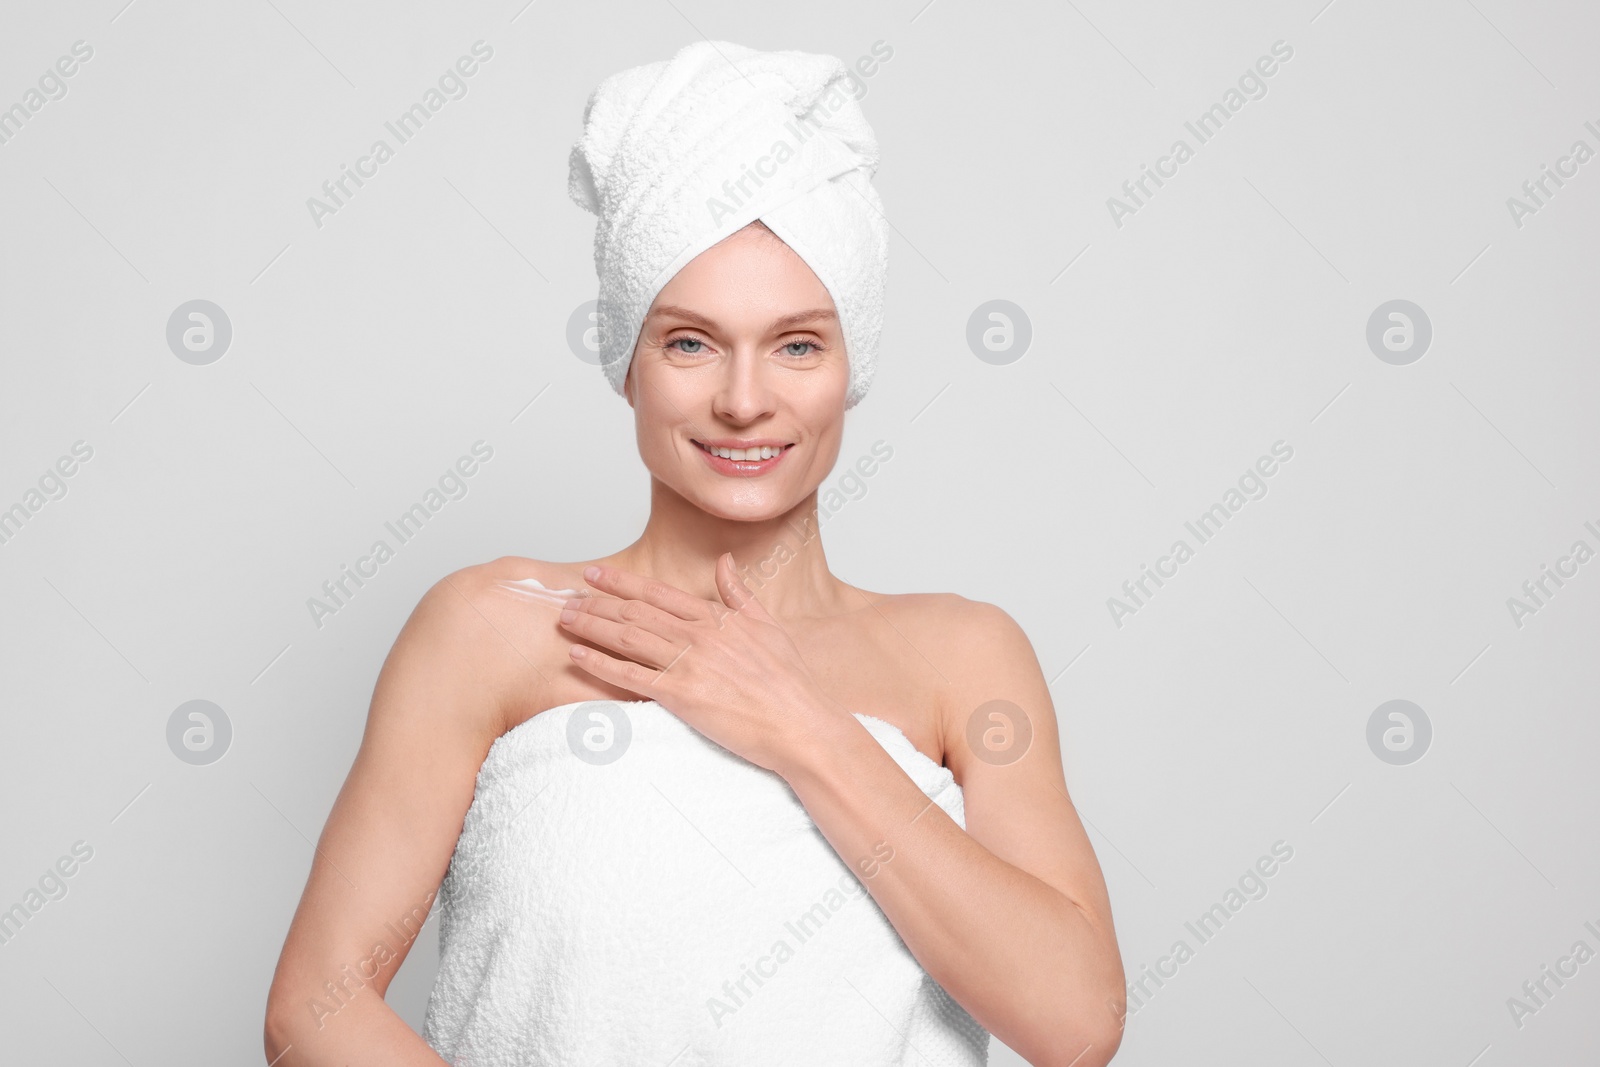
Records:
x=678, y=154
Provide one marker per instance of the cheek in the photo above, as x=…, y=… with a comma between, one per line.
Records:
x=825, y=453
x=651, y=432
x=660, y=427
x=821, y=406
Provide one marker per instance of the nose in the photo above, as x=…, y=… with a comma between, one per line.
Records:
x=745, y=391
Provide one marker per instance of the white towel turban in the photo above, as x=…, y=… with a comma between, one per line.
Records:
x=678, y=154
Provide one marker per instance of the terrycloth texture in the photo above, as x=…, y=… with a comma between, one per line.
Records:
x=608, y=914
x=678, y=154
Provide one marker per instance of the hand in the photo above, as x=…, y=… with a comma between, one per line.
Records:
x=727, y=669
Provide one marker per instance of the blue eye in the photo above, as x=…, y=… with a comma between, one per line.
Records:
x=686, y=340
x=812, y=345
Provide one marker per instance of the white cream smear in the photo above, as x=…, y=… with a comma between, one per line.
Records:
x=533, y=589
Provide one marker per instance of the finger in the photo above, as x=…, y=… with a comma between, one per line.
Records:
x=733, y=591
x=631, y=640
x=620, y=673
x=646, y=616
x=631, y=586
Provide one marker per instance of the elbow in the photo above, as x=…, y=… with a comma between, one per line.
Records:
x=1114, y=1022
x=1085, y=1040
x=274, y=1041
x=1102, y=1046
x=278, y=1029
x=1100, y=1034
x=1081, y=1049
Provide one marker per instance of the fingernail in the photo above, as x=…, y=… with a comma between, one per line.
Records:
x=567, y=614
x=591, y=573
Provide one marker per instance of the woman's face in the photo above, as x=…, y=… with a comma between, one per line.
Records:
x=741, y=348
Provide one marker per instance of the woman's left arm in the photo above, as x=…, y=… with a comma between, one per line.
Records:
x=1010, y=916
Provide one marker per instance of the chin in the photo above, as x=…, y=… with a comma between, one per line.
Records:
x=739, y=508
x=738, y=503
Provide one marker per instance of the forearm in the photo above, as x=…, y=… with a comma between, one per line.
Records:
x=364, y=1031
x=1026, y=961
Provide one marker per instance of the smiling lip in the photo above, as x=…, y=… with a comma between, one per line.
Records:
x=746, y=468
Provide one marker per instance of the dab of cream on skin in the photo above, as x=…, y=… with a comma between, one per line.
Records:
x=533, y=589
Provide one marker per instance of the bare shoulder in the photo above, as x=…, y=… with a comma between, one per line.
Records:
x=958, y=629
x=514, y=580
x=478, y=594
x=509, y=609
x=488, y=627
x=531, y=575
x=983, y=656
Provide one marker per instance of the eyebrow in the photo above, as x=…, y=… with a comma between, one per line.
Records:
x=787, y=321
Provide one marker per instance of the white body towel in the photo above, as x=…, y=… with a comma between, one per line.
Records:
x=673, y=907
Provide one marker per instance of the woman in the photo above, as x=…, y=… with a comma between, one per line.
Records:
x=651, y=784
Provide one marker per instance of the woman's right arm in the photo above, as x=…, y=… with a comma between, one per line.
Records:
x=441, y=699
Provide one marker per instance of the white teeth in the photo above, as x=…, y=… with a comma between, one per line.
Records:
x=758, y=453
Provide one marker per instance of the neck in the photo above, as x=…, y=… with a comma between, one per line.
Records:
x=779, y=560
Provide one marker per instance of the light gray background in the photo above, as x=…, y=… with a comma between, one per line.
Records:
x=1168, y=354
